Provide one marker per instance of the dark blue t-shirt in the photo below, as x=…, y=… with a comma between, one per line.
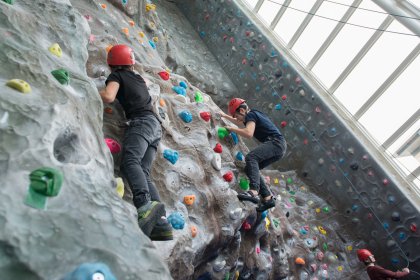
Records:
x=264, y=127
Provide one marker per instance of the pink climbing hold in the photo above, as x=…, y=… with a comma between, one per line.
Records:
x=205, y=116
x=228, y=176
x=218, y=148
x=385, y=182
x=113, y=145
x=317, y=109
x=232, y=40
x=244, y=61
x=258, y=250
x=284, y=97
x=164, y=75
x=225, y=37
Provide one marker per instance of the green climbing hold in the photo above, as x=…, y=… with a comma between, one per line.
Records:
x=289, y=180
x=8, y=1
x=326, y=209
x=222, y=132
x=62, y=76
x=275, y=223
x=198, y=97
x=325, y=246
x=227, y=276
x=292, y=199
x=292, y=192
x=44, y=182
x=244, y=183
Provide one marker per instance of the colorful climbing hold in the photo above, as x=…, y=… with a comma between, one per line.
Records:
x=186, y=116
x=322, y=230
x=141, y=34
x=206, y=116
x=246, y=226
x=228, y=176
x=179, y=90
x=152, y=44
x=326, y=209
x=319, y=254
x=164, y=75
x=55, y=50
x=385, y=182
x=171, y=155
x=113, y=145
x=108, y=48
x=162, y=102
x=318, y=210
x=44, y=182
x=155, y=39
x=218, y=148
x=222, y=132
x=239, y=156
x=177, y=220
x=91, y=271
x=300, y=261
x=413, y=227
x=183, y=84
x=125, y=31
x=198, y=97
x=103, y=6
x=234, y=138
x=108, y=110
x=189, y=199
x=8, y=2
x=150, y=7
x=283, y=124
x=120, y=187
x=277, y=107
x=194, y=231
x=62, y=76
x=284, y=97
x=19, y=85
x=244, y=183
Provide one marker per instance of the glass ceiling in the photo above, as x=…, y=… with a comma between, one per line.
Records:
x=373, y=74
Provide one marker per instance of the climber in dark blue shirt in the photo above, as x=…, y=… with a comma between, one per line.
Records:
x=141, y=140
x=272, y=149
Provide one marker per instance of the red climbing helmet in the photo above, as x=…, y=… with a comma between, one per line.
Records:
x=234, y=105
x=120, y=55
x=363, y=254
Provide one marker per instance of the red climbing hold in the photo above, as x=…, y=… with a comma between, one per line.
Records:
x=283, y=124
x=246, y=225
x=228, y=176
x=247, y=33
x=205, y=116
x=284, y=97
x=218, y=148
x=225, y=37
x=413, y=227
x=164, y=75
x=385, y=182
x=113, y=145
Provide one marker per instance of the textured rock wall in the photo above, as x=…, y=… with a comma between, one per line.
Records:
x=321, y=148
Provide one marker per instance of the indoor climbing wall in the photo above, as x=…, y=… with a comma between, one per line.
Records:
x=326, y=154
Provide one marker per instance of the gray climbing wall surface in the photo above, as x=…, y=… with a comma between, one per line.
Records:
x=324, y=151
x=61, y=123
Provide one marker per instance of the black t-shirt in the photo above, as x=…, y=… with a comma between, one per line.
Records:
x=264, y=127
x=132, y=94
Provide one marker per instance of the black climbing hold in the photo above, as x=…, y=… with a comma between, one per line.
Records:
x=304, y=174
x=62, y=76
x=354, y=166
x=287, y=112
x=278, y=74
x=287, y=215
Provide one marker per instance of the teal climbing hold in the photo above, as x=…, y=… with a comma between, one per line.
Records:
x=234, y=138
x=186, y=116
x=91, y=271
x=278, y=107
x=171, y=155
x=44, y=182
x=240, y=156
x=62, y=76
x=124, y=2
x=177, y=220
x=152, y=44
x=8, y=1
x=179, y=90
x=183, y=84
x=222, y=132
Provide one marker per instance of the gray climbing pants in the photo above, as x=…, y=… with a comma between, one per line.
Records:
x=265, y=154
x=140, y=144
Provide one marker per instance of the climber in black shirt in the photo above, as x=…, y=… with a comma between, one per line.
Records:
x=273, y=148
x=141, y=140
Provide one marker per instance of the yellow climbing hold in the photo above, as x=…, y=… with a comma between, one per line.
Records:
x=108, y=48
x=150, y=7
x=155, y=39
x=340, y=268
x=322, y=230
x=141, y=34
x=349, y=248
x=120, y=187
x=236, y=275
x=19, y=85
x=125, y=31
x=55, y=50
x=318, y=210
x=267, y=223
x=276, y=181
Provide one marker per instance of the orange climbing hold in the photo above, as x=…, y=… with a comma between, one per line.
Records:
x=108, y=48
x=103, y=6
x=125, y=31
x=189, y=199
x=108, y=110
x=300, y=261
x=194, y=231
x=162, y=102
x=131, y=22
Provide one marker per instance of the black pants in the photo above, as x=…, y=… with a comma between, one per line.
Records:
x=265, y=154
x=140, y=144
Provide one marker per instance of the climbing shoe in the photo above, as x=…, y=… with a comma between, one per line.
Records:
x=249, y=196
x=149, y=214
x=266, y=204
x=162, y=231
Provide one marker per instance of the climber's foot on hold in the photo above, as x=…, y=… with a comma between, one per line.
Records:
x=266, y=204
x=149, y=214
x=249, y=196
x=162, y=231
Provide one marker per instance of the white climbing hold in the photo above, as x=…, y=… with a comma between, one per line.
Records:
x=236, y=213
x=4, y=120
x=216, y=162
x=181, y=98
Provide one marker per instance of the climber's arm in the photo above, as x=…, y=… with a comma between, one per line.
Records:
x=109, y=93
x=247, y=131
x=232, y=119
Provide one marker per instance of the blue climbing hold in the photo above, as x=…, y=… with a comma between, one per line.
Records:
x=264, y=214
x=202, y=34
x=278, y=107
x=91, y=271
x=177, y=220
x=386, y=226
x=234, y=137
x=180, y=90
x=183, y=84
x=395, y=261
x=274, y=94
x=402, y=235
x=186, y=116
x=240, y=156
x=341, y=160
x=241, y=74
x=333, y=130
x=257, y=88
x=391, y=199
x=152, y=44
x=355, y=207
x=301, y=129
x=171, y=155
x=285, y=64
x=303, y=231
